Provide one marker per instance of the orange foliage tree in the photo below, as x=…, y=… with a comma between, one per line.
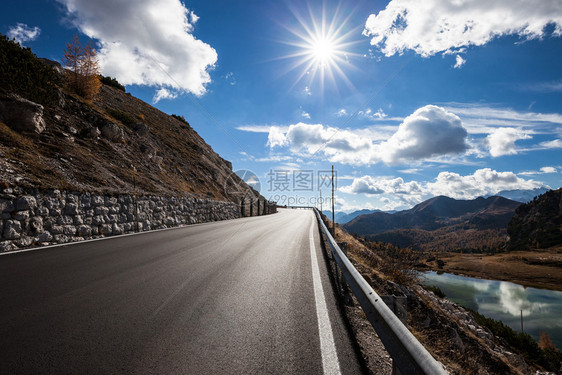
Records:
x=84, y=70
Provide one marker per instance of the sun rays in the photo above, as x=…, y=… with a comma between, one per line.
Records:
x=322, y=42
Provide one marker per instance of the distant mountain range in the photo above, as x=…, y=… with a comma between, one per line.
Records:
x=522, y=196
x=440, y=223
x=342, y=217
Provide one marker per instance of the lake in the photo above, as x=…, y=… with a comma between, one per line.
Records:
x=502, y=300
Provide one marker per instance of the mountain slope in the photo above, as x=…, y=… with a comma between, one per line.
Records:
x=342, y=217
x=537, y=224
x=82, y=146
x=440, y=223
x=522, y=196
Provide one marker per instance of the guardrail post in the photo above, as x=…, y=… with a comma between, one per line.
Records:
x=345, y=290
x=399, y=306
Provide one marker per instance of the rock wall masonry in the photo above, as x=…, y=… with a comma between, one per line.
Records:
x=56, y=217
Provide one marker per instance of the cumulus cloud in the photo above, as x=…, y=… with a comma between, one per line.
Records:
x=163, y=93
x=430, y=131
x=502, y=141
x=481, y=183
x=149, y=42
x=371, y=186
x=305, y=114
x=459, y=62
x=23, y=33
x=276, y=137
x=432, y=26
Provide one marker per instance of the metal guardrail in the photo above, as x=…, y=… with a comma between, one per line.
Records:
x=406, y=351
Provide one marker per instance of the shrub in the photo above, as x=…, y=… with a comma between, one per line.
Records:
x=550, y=358
x=110, y=81
x=121, y=116
x=435, y=290
x=181, y=118
x=397, y=263
x=23, y=73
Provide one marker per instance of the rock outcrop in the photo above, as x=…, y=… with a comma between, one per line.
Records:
x=21, y=114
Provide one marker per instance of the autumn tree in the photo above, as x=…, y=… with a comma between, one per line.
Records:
x=545, y=342
x=84, y=70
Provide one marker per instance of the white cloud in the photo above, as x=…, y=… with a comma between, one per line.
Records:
x=342, y=113
x=481, y=183
x=543, y=170
x=305, y=115
x=369, y=185
x=276, y=137
x=502, y=141
x=23, y=33
x=548, y=170
x=483, y=119
x=372, y=115
x=146, y=43
x=163, y=93
x=229, y=77
x=554, y=86
x=429, y=132
x=459, y=62
x=432, y=26
x=556, y=143
x=260, y=128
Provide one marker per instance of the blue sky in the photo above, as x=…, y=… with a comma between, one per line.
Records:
x=407, y=100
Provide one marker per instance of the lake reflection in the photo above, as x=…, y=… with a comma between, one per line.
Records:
x=502, y=300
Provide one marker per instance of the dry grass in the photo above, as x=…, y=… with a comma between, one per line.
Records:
x=540, y=268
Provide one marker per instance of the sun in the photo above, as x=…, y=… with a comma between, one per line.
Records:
x=322, y=47
x=323, y=51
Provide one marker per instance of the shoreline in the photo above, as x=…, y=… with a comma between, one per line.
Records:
x=534, y=269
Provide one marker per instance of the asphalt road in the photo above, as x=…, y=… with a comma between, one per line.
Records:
x=231, y=297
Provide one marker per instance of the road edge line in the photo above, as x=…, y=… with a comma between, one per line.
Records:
x=330, y=362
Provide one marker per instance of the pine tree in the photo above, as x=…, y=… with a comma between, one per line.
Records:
x=91, y=72
x=72, y=60
x=84, y=71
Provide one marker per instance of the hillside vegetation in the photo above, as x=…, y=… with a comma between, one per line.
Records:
x=93, y=146
x=441, y=224
x=537, y=224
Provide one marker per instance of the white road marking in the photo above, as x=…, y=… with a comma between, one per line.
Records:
x=330, y=361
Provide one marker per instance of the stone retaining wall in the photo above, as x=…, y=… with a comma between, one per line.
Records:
x=55, y=217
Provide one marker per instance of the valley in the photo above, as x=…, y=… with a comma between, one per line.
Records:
x=537, y=269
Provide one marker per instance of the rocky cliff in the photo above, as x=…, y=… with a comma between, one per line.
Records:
x=52, y=138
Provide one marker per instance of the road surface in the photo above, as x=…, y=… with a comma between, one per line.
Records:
x=245, y=296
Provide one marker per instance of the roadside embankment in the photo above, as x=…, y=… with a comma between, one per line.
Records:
x=38, y=218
